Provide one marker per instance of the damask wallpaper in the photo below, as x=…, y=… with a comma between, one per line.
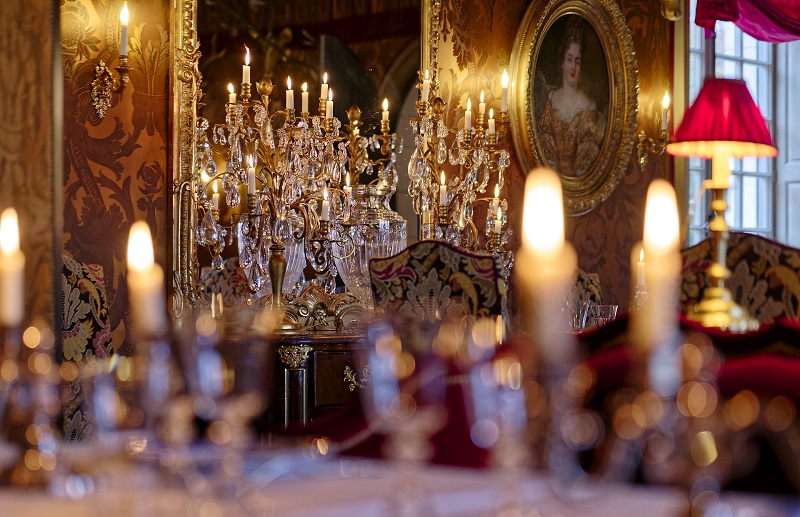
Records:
x=475, y=45
x=27, y=151
x=115, y=168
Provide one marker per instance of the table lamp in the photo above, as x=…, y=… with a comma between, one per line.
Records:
x=723, y=123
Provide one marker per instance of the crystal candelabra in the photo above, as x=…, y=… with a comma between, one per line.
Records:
x=297, y=172
x=450, y=171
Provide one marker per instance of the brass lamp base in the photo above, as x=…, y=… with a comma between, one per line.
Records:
x=717, y=309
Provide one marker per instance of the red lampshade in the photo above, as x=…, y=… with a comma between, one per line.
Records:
x=724, y=114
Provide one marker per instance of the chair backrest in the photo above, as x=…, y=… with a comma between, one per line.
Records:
x=433, y=281
x=765, y=275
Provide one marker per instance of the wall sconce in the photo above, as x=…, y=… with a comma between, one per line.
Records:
x=105, y=83
x=647, y=145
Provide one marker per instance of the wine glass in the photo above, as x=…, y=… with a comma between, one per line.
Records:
x=602, y=314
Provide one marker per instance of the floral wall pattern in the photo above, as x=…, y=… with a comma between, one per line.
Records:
x=475, y=45
x=115, y=168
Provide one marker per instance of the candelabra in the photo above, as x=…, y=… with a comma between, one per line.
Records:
x=297, y=171
x=105, y=83
x=450, y=169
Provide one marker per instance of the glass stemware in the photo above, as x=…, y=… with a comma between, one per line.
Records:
x=601, y=314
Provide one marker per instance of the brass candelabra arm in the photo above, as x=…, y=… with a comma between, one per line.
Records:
x=105, y=83
x=646, y=146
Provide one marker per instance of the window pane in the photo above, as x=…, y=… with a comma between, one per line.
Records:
x=749, y=202
x=695, y=75
x=732, y=215
x=749, y=164
x=695, y=236
x=695, y=181
x=726, y=39
x=727, y=68
x=764, y=97
x=764, y=52
x=749, y=47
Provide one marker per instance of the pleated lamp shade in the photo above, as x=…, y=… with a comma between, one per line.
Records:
x=724, y=118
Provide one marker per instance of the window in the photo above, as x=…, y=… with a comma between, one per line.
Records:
x=735, y=55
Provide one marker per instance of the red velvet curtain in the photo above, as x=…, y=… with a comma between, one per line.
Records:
x=775, y=21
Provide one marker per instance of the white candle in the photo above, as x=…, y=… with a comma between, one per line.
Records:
x=329, y=104
x=665, y=112
x=145, y=283
x=326, y=206
x=348, y=190
x=304, y=98
x=640, y=280
x=323, y=94
x=251, y=178
x=468, y=116
x=289, y=94
x=12, y=271
x=496, y=199
x=657, y=322
x=124, y=17
x=491, y=121
x=426, y=87
x=442, y=192
x=246, y=67
x=215, y=197
x=385, y=114
x=231, y=94
x=504, y=83
x=498, y=220
x=481, y=106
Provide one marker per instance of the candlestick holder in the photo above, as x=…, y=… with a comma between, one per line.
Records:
x=647, y=146
x=105, y=83
x=639, y=298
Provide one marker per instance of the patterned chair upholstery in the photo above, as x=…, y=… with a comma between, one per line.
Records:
x=86, y=335
x=434, y=281
x=765, y=276
x=230, y=281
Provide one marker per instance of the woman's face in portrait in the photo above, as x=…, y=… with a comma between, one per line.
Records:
x=571, y=66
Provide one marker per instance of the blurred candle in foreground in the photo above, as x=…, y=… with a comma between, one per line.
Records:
x=124, y=18
x=657, y=322
x=12, y=271
x=145, y=283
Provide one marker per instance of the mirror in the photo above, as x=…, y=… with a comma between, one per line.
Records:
x=370, y=52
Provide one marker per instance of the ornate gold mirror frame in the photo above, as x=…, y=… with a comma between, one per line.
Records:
x=185, y=93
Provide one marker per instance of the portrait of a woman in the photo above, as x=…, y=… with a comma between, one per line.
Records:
x=570, y=123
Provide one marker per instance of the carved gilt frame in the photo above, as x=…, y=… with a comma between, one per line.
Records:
x=584, y=192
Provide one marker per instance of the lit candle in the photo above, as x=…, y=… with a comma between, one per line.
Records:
x=549, y=262
x=665, y=112
x=289, y=94
x=657, y=322
x=145, y=283
x=251, y=178
x=329, y=104
x=326, y=206
x=481, y=106
x=124, y=17
x=468, y=116
x=442, y=192
x=246, y=67
x=348, y=190
x=496, y=199
x=231, y=94
x=640, y=270
x=304, y=98
x=491, y=121
x=12, y=271
x=215, y=197
x=385, y=114
x=498, y=220
x=504, y=83
x=426, y=87
x=323, y=94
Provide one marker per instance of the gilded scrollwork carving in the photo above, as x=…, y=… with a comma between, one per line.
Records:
x=351, y=378
x=294, y=356
x=316, y=310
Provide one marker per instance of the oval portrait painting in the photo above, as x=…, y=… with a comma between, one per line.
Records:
x=570, y=96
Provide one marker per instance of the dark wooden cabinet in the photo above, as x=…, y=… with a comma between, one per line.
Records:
x=315, y=373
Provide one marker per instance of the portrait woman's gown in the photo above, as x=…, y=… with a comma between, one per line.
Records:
x=571, y=141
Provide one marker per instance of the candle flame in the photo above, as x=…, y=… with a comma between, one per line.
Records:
x=288, y=83
x=641, y=255
x=247, y=55
x=469, y=105
x=140, y=248
x=330, y=94
x=230, y=87
x=304, y=86
x=442, y=178
x=124, y=15
x=491, y=113
x=661, y=225
x=497, y=190
x=325, y=78
x=385, y=104
x=543, y=213
x=665, y=101
x=325, y=193
x=347, y=179
x=214, y=186
x=9, y=231
x=504, y=80
x=426, y=75
x=482, y=96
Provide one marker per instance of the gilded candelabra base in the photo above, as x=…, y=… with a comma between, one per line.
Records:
x=277, y=272
x=718, y=308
